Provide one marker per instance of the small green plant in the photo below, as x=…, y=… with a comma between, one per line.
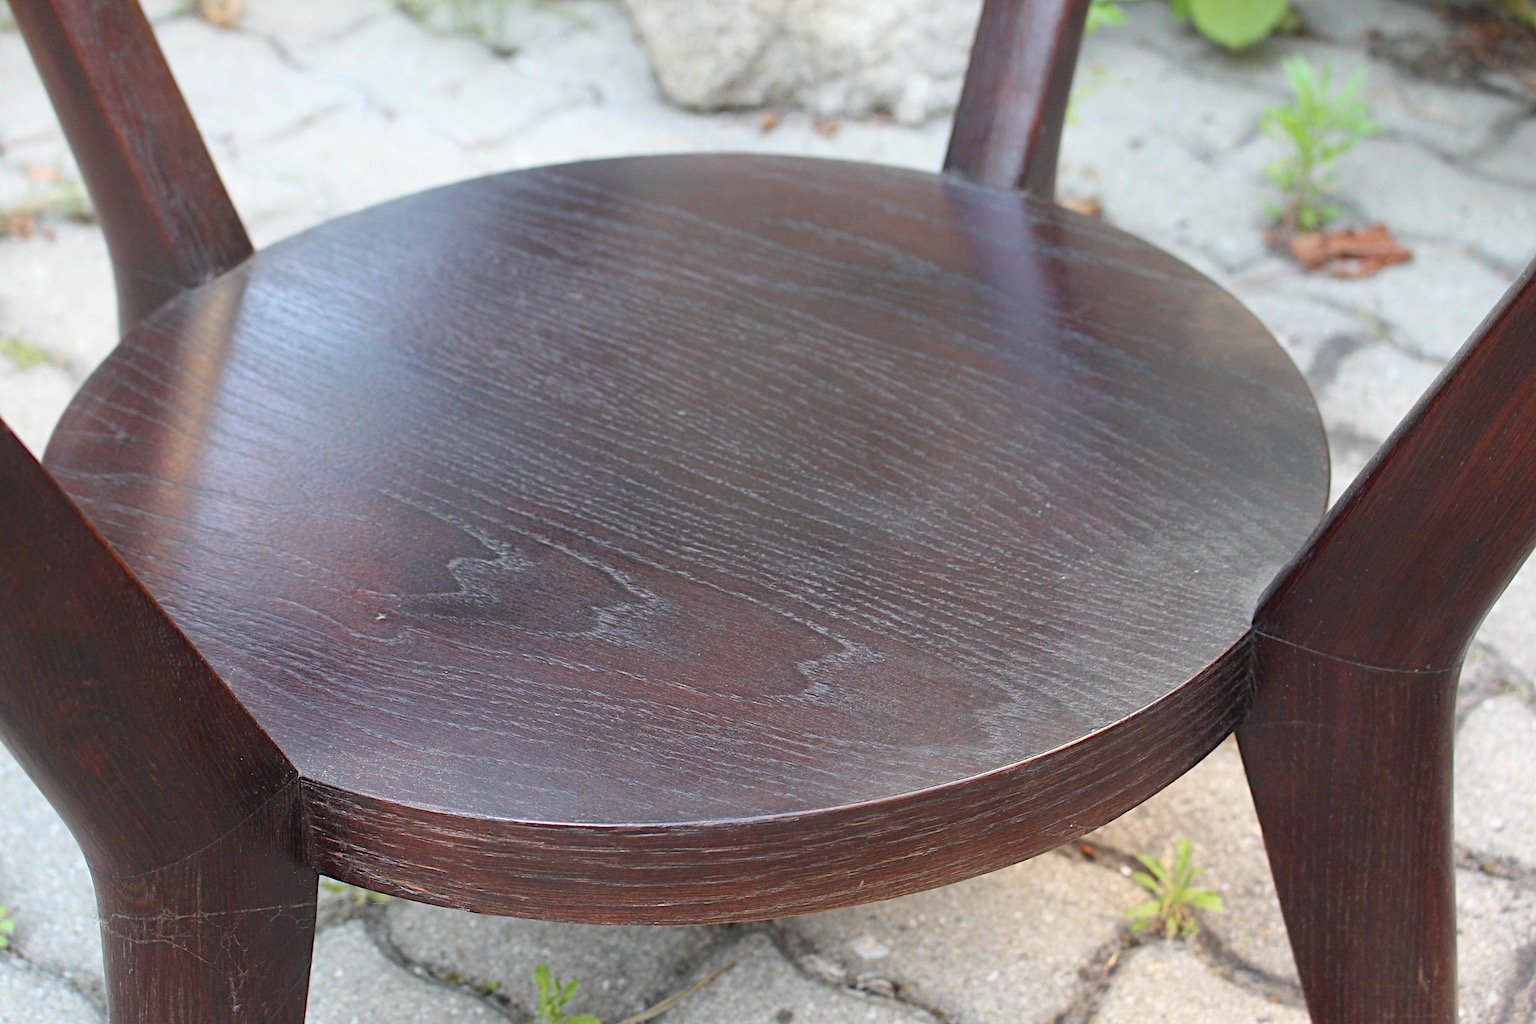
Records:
x=1317, y=127
x=1104, y=14
x=468, y=16
x=360, y=897
x=23, y=354
x=1174, y=901
x=553, y=995
x=1236, y=24
x=494, y=23
x=7, y=927
x=1521, y=12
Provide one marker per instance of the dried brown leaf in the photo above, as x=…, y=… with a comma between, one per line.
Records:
x=1349, y=252
x=223, y=13
x=1088, y=206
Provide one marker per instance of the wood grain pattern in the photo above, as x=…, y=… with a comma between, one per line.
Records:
x=1350, y=768
x=163, y=758
x=723, y=871
x=736, y=489
x=222, y=936
x=168, y=222
x=187, y=814
x=1013, y=105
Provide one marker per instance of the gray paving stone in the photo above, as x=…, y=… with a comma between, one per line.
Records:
x=622, y=970
x=1373, y=390
x=56, y=293
x=1354, y=22
x=24, y=109
x=1003, y=947
x=31, y=400
x=1122, y=80
x=45, y=884
x=360, y=157
x=1199, y=188
x=1511, y=626
x=765, y=988
x=1495, y=763
x=30, y=996
x=1511, y=161
x=1317, y=333
x=494, y=103
x=304, y=21
x=371, y=61
x=1429, y=306
x=1454, y=122
x=353, y=983
x=1425, y=198
x=1212, y=808
x=1165, y=981
x=222, y=72
x=1496, y=954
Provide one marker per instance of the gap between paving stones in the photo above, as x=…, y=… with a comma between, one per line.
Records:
x=18, y=953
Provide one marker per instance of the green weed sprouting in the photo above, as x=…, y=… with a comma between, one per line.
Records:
x=1174, y=896
x=1317, y=127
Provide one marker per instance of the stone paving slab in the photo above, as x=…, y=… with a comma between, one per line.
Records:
x=626, y=969
x=1029, y=931
x=45, y=885
x=766, y=988
x=353, y=982
x=28, y=996
x=1495, y=769
x=1165, y=982
x=354, y=103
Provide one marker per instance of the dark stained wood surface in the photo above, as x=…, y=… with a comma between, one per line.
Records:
x=221, y=936
x=1350, y=768
x=646, y=496
x=168, y=222
x=1013, y=105
x=97, y=677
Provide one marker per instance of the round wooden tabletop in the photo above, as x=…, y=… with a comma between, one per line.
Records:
x=647, y=506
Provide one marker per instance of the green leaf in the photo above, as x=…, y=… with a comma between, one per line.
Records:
x=1205, y=900
x=1180, y=9
x=1104, y=14
x=582, y=1018
x=1153, y=865
x=1237, y=24
x=21, y=354
x=1182, y=852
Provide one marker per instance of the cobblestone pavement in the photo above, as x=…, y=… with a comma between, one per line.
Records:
x=315, y=108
